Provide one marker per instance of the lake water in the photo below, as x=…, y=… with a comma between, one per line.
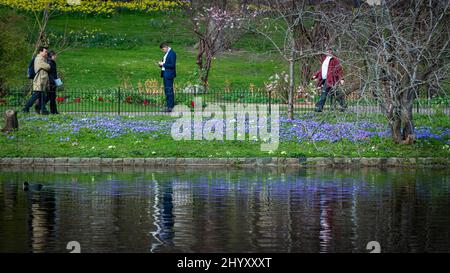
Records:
x=220, y=210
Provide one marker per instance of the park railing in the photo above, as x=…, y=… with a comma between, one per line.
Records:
x=121, y=101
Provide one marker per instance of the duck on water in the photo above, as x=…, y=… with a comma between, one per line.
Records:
x=32, y=187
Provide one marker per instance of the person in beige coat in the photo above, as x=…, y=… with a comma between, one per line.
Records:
x=40, y=82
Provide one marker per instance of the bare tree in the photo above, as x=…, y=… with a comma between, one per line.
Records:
x=216, y=25
x=399, y=49
x=396, y=48
x=41, y=19
x=404, y=45
x=277, y=22
x=311, y=37
x=298, y=32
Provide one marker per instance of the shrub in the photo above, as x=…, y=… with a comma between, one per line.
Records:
x=13, y=51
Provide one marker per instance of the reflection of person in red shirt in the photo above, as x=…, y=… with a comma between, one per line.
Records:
x=329, y=76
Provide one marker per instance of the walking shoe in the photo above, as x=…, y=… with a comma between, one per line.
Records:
x=45, y=112
x=318, y=110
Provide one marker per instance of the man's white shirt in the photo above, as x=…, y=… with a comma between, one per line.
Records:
x=164, y=59
x=325, y=64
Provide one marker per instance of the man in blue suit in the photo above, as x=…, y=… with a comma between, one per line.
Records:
x=168, y=73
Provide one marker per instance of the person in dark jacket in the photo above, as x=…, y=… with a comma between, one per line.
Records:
x=53, y=75
x=168, y=73
x=328, y=78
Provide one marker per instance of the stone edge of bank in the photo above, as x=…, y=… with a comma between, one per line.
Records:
x=236, y=162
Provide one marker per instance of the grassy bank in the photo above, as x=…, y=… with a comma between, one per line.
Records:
x=106, y=136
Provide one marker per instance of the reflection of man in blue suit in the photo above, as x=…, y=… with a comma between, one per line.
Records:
x=168, y=73
x=164, y=218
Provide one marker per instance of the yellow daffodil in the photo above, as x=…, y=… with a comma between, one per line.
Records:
x=94, y=6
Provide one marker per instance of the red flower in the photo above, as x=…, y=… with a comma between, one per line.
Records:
x=77, y=100
x=128, y=99
x=100, y=98
x=59, y=99
x=192, y=104
x=146, y=102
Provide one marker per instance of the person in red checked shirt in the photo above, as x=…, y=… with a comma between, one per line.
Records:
x=328, y=77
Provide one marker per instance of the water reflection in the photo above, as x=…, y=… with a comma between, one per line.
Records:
x=227, y=211
x=163, y=216
x=41, y=219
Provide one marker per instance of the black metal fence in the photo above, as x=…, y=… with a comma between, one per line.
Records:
x=152, y=101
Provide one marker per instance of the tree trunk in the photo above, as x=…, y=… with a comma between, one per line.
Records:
x=205, y=72
x=204, y=59
x=305, y=75
x=400, y=119
x=201, y=51
x=392, y=106
x=11, y=121
x=305, y=72
x=396, y=127
x=291, y=86
x=406, y=117
x=216, y=37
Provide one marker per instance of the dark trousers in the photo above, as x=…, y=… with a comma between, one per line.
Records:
x=51, y=96
x=168, y=90
x=333, y=92
x=35, y=95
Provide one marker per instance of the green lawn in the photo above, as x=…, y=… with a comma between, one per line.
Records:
x=102, y=68
x=87, y=65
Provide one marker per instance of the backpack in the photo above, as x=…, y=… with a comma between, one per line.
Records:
x=31, y=73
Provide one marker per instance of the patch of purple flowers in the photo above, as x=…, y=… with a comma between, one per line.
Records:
x=426, y=132
x=111, y=127
x=310, y=130
x=302, y=128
